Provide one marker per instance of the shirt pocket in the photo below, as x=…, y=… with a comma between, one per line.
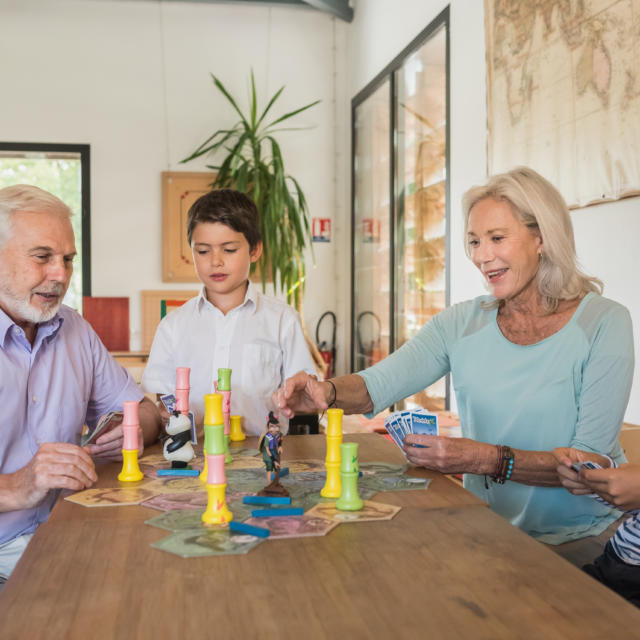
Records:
x=261, y=366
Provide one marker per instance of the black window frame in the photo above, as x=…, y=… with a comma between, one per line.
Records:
x=84, y=150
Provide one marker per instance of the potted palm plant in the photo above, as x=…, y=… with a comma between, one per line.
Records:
x=249, y=159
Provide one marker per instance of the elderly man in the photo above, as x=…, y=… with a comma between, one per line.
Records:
x=55, y=374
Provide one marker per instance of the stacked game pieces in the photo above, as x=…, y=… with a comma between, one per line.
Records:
x=130, y=424
x=211, y=413
x=333, y=487
x=235, y=433
x=217, y=511
x=223, y=386
x=349, y=499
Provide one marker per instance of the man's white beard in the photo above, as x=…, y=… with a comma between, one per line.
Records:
x=20, y=308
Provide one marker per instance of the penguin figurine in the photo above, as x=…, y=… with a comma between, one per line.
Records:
x=177, y=447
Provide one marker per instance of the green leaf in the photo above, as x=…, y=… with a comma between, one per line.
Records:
x=293, y=113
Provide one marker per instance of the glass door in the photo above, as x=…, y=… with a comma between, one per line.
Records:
x=420, y=182
x=371, y=229
x=400, y=204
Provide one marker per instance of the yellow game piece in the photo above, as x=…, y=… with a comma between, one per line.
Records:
x=130, y=469
x=236, y=434
x=333, y=484
x=130, y=425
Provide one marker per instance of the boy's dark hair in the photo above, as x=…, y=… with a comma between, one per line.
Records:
x=229, y=207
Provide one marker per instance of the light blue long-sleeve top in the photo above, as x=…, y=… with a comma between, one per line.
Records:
x=570, y=389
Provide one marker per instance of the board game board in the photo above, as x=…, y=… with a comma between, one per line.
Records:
x=182, y=501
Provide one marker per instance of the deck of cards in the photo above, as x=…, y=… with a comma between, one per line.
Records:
x=402, y=423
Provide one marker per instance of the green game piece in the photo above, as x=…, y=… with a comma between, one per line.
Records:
x=227, y=453
x=349, y=499
x=214, y=439
x=224, y=379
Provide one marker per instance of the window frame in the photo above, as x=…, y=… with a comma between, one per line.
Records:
x=84, y=150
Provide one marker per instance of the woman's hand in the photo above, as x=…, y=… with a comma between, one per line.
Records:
x=450, y=455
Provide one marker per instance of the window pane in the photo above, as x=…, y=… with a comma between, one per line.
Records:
x=61, y=175
x=371, y=241
x=421, y=84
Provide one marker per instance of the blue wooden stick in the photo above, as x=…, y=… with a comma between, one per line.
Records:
x=241, y=527
x=178, y=472
x=266, y=513
x=283, y=472
x=266, y=500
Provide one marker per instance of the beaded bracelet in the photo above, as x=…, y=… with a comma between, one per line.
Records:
x=504, y=466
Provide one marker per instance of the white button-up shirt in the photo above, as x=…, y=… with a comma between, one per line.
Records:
x=261, y=341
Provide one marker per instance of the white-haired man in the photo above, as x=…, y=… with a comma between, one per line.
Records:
x=55, y=374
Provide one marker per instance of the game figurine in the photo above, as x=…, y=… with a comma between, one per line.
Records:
x=333, y=485
x=270, y=446
x=177, y=447
x=130, y=425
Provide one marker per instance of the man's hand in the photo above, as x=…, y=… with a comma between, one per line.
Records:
x=56, y=465
x=108, y=446
x=571, y=479
x=301, y=393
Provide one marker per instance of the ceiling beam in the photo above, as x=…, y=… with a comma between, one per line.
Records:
x=338, y=8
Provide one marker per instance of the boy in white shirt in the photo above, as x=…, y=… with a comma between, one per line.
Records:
x=230, y=324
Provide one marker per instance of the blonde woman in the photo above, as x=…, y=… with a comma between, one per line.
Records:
x=544, y=361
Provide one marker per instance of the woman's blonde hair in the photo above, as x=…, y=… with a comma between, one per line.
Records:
x=539, y=205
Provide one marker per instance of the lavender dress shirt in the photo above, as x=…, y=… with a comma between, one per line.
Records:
x=48, y=392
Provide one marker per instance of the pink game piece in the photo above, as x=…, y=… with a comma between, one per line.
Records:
x=182, y=389
x=130, y=424
x=215, y=469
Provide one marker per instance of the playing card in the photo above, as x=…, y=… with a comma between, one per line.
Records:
x=169, y=402
x=576, y=466
x=106, y=421
x=426, y=423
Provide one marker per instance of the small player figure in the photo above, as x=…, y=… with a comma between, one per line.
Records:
x=270, y=446
x=177, y=447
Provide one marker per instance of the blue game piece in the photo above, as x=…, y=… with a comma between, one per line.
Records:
x=178, y=472
x=266, y=500
x=283, y=472
x=241, y=527
x=266, y=513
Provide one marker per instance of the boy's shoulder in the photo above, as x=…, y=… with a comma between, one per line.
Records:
x=272, y=306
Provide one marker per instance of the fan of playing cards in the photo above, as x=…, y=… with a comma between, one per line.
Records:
x=401, y=423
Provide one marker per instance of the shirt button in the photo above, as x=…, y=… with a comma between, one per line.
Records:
x=35, y=398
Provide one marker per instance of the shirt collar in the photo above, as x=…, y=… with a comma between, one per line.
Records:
x=251, y=298
x=45, y=329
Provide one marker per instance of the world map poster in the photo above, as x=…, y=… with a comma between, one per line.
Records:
x=563, y=93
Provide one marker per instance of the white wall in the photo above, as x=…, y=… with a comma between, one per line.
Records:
x=92, y=71
x=132, y=80
x=605, y=234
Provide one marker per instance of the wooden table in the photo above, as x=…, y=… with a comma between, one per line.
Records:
x=445, y=567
